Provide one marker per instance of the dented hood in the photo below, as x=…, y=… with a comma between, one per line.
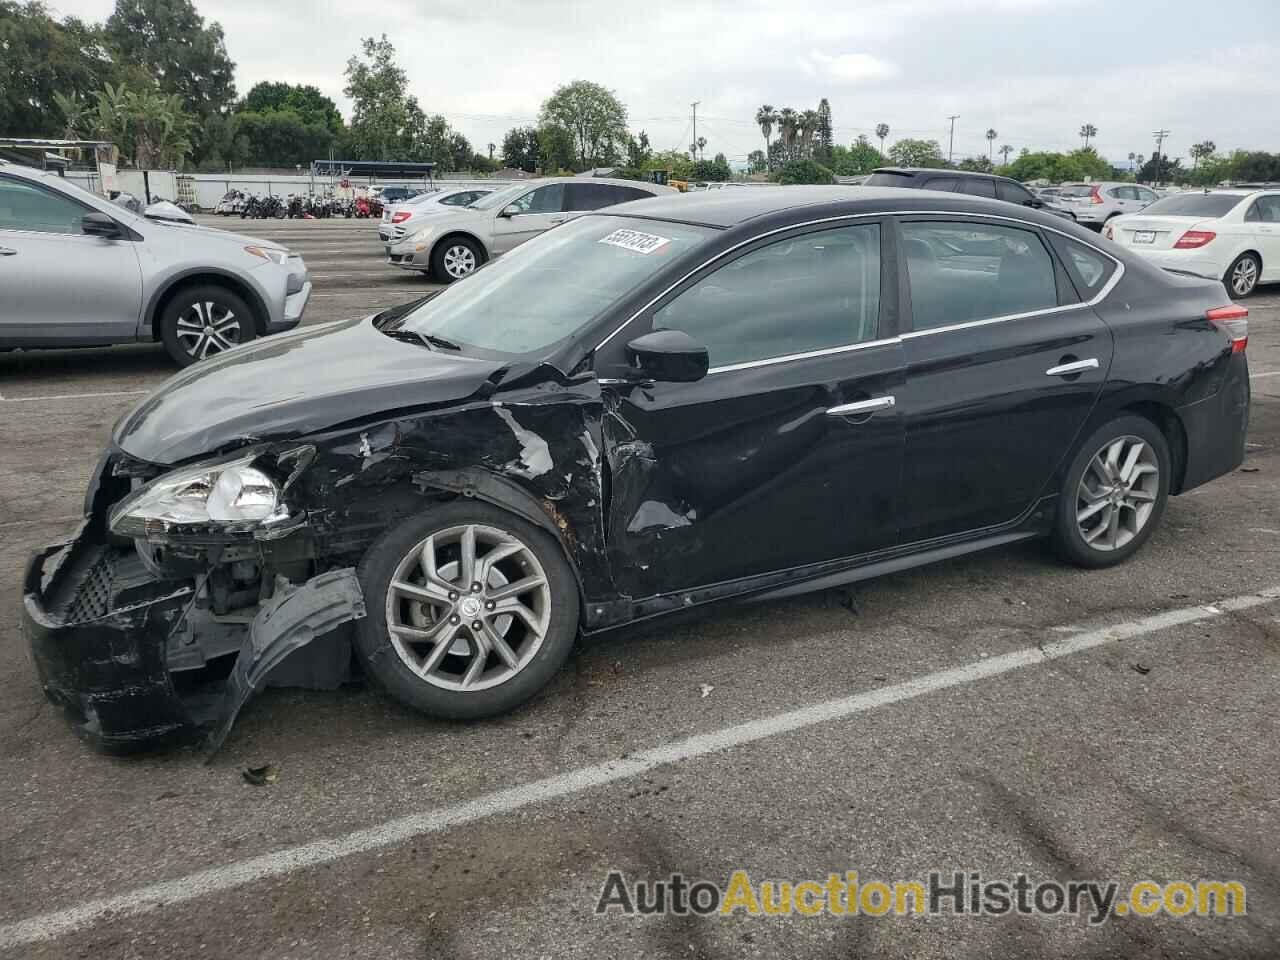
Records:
x=293, y=384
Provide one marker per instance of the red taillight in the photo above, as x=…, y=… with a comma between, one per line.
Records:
x=1234, y=322
x=401, y=217
x=1194, y=238
x=1096, y=197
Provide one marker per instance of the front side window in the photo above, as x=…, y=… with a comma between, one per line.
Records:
x=24, y=206
x=961, y=272
x=810, y=292
x=945, y=184
x=977, y=187
x=548, y=199
x=554, y=285
x=1012, y=193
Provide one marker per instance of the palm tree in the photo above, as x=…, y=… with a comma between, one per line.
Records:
x=787, y=121
x=765, y=118
x=1199, y=151
x=492, y=147
x=991, y=140
x=75, y=114
x=882, y=131
x=702, y=148
x=1004, y=152
x=808, y=130
x=1088, y=131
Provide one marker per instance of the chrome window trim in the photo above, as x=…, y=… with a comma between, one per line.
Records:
x=1098, y=298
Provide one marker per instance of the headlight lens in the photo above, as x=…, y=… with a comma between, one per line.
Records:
x=269, y=253
x=423, y=233
x=235, y=496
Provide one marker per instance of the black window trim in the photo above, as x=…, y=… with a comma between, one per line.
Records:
x=900, y=305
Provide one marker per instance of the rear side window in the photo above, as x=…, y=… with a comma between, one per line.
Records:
x=961, y=272
x=946, y=184
x=630, y=193
x=976, y=186
x=1013, y=193
x=805, y=293
x=593, y=196
x=24, y=206
x=1089, y=270
x=1265, y=210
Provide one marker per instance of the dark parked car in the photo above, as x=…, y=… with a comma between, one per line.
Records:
x=986, y=185
x=747, y=394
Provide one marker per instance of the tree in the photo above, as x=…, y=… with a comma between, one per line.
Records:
x=555, y=148
x=756, y=162
x=1088, y=131
x=280, y=138
x=991, y=141
x=804, y=171
x=520, y=149
x=765, y=119
x=39, y=57
x=594, y=117
x=170, y=43
x=917, y=153
x=882, y=131
x=638, y=151
x=1160, y=169
x=717, y=169
x=1004, y=152
x=855, y=160
x=377, y=87
x=808, y=132
x=1202, y=151
x=977, y=164
x=701, y=145
x=823, y=136
x=307, y=103
x=788, y=126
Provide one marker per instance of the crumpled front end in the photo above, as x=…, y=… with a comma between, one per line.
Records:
x=144, y=647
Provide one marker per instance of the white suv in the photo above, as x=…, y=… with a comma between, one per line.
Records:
x=1093, y=204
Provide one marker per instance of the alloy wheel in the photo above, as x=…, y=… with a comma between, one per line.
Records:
x=1117, y=493
x=207, y=327
x=459, y=260
x=468, y=607
x=1244, y=276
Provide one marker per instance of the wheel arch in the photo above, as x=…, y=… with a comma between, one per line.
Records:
x=461, y=235
x=196, y=277
x=1166, y=419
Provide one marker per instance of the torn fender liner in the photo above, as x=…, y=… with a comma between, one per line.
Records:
x=290, y=620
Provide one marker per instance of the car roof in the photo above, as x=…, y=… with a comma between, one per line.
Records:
x=729, y=208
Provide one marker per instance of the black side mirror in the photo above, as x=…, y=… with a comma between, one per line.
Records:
x=668, y=356
x=100, y=225
x=1037, y=202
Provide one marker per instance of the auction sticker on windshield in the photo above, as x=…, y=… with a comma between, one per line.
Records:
x=635, y=241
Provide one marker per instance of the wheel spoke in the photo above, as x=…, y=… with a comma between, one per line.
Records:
x=1131, y=461
x=1144, y=495
x=1112, y=463
x=432, y=659
x=467, y=565
x=514, y=608
x=186, y=324
x=1095, y=508
x=430, y=591
x=476, y=667
x=1113, y=527
x=495, y=556
x=516, y=587
x=500, y=646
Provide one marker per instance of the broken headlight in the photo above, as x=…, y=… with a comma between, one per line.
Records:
x=234, y=497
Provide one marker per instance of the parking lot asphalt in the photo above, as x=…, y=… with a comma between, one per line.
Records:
x=1003, y=714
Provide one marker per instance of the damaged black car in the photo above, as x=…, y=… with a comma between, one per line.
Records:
x=741, y=395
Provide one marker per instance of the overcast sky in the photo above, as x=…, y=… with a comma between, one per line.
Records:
x=1034, y=70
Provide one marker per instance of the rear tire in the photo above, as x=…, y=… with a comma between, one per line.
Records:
x=449, y=642
x=1241, y=278
x=202, y=321
x=1114, y=493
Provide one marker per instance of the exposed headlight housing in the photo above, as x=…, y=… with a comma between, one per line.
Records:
x=231, y=497
x=274, y=254
x=423, y=233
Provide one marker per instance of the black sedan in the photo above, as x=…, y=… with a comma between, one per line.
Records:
x=748, y=394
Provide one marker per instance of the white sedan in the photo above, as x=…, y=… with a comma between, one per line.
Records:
x=395, y=219
x=1227, y=235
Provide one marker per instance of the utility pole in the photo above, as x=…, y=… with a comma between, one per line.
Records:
x=951, y=142
x=1159, y=135
x=695, y=125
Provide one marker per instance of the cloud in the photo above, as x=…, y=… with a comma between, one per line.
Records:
x=846, y=67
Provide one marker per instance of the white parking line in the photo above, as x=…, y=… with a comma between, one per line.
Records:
x=74, y=396
x=1259, y=376
x=230, y=876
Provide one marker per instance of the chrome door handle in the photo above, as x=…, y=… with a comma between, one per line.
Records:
x=861, y=406
x=8, y=252
x=1076, y=366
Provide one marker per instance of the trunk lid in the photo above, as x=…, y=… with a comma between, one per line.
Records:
x=1163, y=231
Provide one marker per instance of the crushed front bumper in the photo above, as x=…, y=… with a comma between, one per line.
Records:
x=102, y=628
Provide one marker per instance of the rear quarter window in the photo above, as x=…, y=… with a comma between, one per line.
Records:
x=1088, y=269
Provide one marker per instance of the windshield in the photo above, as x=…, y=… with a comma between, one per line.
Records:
x=1194, y=205
x=555, y=284
x=501, y=197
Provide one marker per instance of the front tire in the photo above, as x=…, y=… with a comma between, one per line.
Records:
x=1241, y=278
x=1114, y=493
x=201, y=321
x=455, y=258
x=471, y=611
